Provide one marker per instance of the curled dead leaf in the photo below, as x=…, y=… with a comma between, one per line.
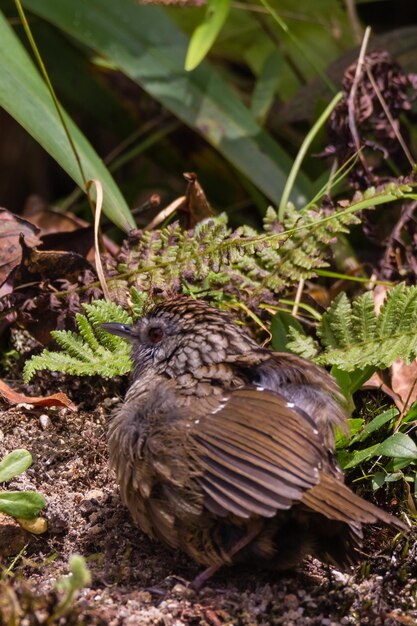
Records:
x=59, y=399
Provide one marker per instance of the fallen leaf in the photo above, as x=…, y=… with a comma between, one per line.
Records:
x=403, y=381
x=51, y=264
x=11, y=229
x=196, y=205
x=56, y=399
x=376, y=382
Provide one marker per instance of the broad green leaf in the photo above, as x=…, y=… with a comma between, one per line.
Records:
x=341, y=440
x=145, y=44
x=393, y=477
x=399, y=446
x=280, y=325
x=358, y=457
x=24, y=504
x=375, y=424
x=93, y=99
x=378, y=479
x=411, y=415
x=206, y=33
x=399, y=463
x=24, y=95
x=350, y=382
x=359, y=376
x=266, y=85
x=14, y=463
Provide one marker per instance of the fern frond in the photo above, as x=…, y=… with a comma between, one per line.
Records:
x=336, y=325
x=354, y=337
x=91, y=352
x=364, y=319
x=301, y=344
x=212, y=255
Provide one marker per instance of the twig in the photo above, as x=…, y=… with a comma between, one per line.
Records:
x=354, y=20
x=97, y=258
x=298, y=297
x=162, y=215
x=389, y=116
x=352, y=95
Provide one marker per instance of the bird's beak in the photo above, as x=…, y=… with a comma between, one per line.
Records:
x=121, y=330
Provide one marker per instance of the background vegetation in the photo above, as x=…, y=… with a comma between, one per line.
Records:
x=297, y=211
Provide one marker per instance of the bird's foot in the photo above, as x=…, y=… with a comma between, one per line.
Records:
x=200, y=580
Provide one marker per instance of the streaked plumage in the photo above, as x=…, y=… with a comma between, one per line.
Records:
x=219, y=439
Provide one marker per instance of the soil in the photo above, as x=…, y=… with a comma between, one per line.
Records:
x=136, y=581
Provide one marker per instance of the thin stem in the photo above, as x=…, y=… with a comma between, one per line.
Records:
x=51, y=90
x=306, y=53
x=97, y=257
x=354, y=20
x=389, y=117
x=302, y=152
x=352, y=95
x=355, y=207
x=298, y=297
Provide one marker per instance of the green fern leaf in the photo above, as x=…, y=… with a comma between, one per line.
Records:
x=301, y=344
x=364, y=318
x=93, y=351
x=336, y=324
x=354, y=337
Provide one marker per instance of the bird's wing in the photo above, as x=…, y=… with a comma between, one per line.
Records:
x=258, y=454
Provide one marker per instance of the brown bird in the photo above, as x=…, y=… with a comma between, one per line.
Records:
x=225, y=450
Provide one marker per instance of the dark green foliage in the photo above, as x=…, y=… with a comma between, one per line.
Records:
x=354, y=337
x=24, y=504
x=93, y=351
x=242, y=264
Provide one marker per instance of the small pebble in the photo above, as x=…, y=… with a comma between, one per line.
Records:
x=94, y=494
x=290, y=601
x=340, y=577
x=145, y=597
x=44, y=421
x=110, y=402
x=37, y=526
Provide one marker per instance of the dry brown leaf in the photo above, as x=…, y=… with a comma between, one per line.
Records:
x=197, y=207
x=56, y=399
x=11, y=228
x=403, y=381
x=376, y=382
x=402, y=388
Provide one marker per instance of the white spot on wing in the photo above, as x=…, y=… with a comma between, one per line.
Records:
x=290, y=405
x=260, y=388
x=218, y=408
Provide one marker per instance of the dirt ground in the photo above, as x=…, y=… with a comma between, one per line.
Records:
x=136, y=581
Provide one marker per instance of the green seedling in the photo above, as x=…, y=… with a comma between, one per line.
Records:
x=20, y=504
x=69, y=585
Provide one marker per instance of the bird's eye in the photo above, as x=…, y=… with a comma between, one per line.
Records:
x=155, y=334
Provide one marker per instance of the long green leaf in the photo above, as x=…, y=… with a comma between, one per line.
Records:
x=14, y=463
x=205, y=34
x=24, y=95
x=24, y=504
x=145, y=44
x=399, y=446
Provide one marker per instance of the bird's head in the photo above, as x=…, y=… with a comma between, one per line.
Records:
x=181, y=335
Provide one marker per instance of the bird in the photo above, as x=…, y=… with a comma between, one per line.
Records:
x=226, y=450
